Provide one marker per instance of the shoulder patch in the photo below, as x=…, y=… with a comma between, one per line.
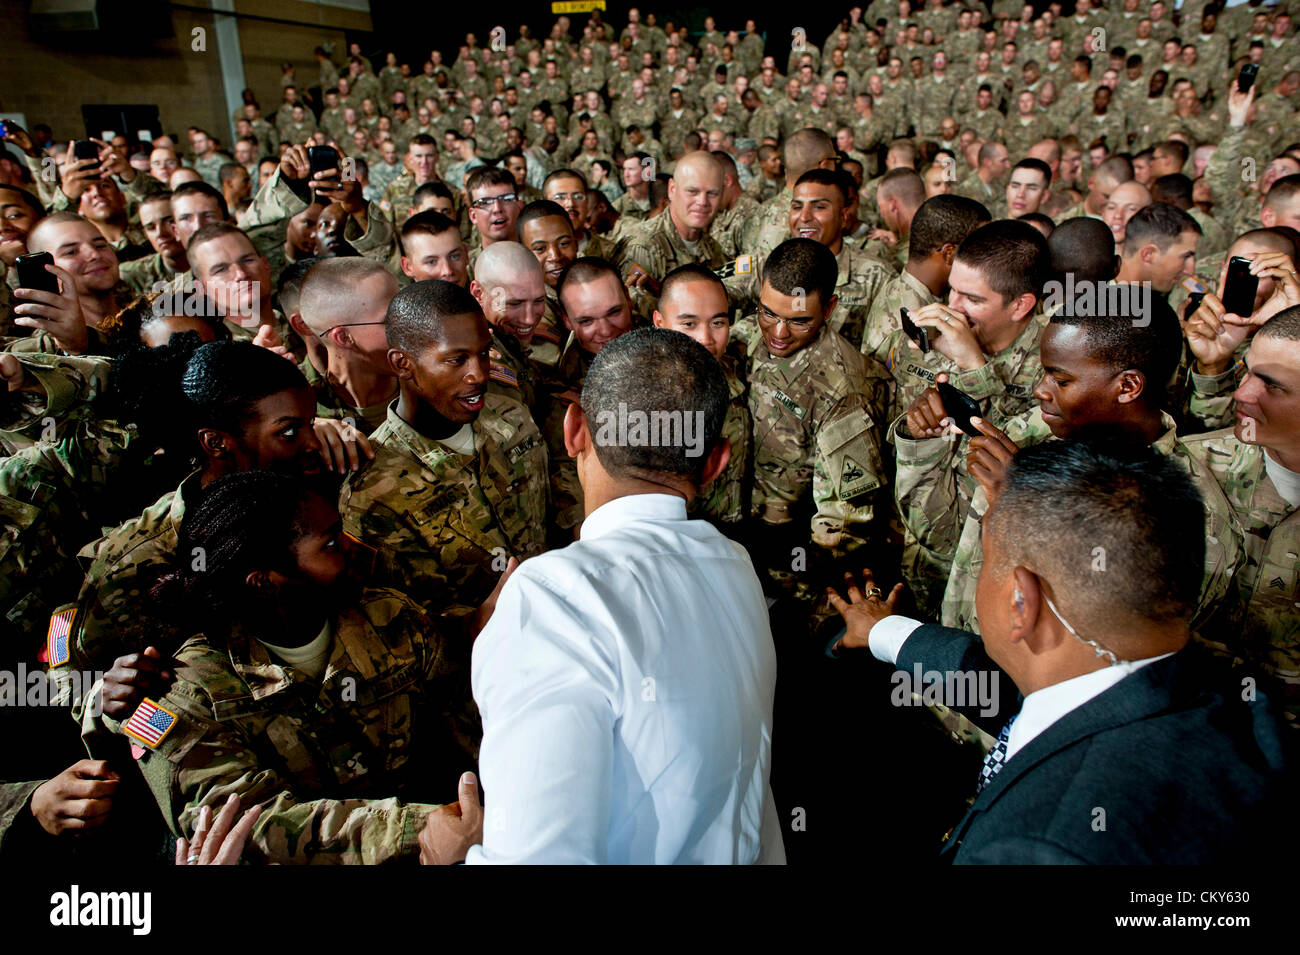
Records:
x=150, y=723
x=503, y=374
x=546, y=335
x=59, y=636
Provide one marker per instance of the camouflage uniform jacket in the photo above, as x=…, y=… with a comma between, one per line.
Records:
x=657, y=248
x=1262, y=618
x=729, y=226
x=861, y=279
x=904, y=290
x=1223, y=539
x=816, y=442
x=335, y=760
x=511, y=373
x=771, y=226
x=121, y=567
x=331, y=404
x=725, y=499
x=439, y=521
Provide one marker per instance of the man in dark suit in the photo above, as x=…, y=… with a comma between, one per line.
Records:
x=1120, y=748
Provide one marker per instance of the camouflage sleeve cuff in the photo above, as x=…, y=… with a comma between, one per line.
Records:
x=979, y=383
x=1214, y=386
x=66, y=381
x=15, y=798
x=378, y=234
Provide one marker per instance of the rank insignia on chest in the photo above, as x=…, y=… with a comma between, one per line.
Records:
x=790, y=404
x=150, y=723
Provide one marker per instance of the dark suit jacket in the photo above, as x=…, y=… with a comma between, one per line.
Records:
x=1177, y=770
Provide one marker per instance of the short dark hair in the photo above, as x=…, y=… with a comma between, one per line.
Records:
x=541, y=209
x=428, y=222
x=565, y=174
x=1083, y=247
x=429, y=189
x=805, y=264
x=214, y=230
x=1115, y=340
x=1011, y=255
x=489, y=176
x=1285, y=325
x=669, y=379
x=690, y=272
x=829, y=177
x=1062, y=499
x=200, y=188
x=942, y=219
x=1174, y=188
x=1159, y=223
x=417, y=313
x=1176, y=147
x=1029, y=162
x=586, y=269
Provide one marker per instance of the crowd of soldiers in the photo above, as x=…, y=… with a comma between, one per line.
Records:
x=292, y=410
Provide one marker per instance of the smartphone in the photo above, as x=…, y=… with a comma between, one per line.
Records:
x=322, y=158
x=1240, y=287
x=914, y=331
x=4, y=129
x=1246, y=78
x=32, y=274
x=1193, y=303
x=85, y=149
x=960, y=407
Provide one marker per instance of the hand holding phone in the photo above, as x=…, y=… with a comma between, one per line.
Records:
x=960, y=407
x=32, y=273
x=1239, y=287
x=919, y=335
x=1246, y=78
x=84, y=149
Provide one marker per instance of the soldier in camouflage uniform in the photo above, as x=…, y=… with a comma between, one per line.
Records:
x=735, y=210
x=815, y=404
x=680, y=234
x=694, y=302
x=509, y=286
x=264, y=397
x=331, y=706
x=1260, y=619
x=596, y=309
x=443, y=514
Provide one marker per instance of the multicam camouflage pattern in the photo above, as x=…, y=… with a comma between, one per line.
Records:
x=904, y=290
x=656, y=249
x=771, y=226
x=443, y=524
x=862, y=278
x=816, y=437
x=1223, y=538
x=343, y=765
x=1260, y=618
x=726, y=498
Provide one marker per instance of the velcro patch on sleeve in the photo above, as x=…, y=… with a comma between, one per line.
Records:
x=852, y=459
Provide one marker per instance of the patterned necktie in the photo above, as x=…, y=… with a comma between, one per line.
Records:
x=995, y=758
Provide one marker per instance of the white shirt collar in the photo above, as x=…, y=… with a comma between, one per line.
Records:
x=1044, y=707
x=631, y=508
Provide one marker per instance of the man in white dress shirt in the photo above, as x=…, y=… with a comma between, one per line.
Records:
x=626, y=681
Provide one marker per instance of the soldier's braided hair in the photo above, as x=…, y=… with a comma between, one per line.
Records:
x=223, y=380
x=243, y=522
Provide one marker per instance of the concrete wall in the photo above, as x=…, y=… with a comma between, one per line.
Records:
x=49, y=77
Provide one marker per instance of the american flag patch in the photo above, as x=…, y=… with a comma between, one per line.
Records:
x=502, y=373
x=56, y=641
x=149, y=723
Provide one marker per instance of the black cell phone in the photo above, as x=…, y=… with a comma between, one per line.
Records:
x=960, y=407
x=1240, y=287
x=85, y=149
x=1246, y=78
x=322, y=158
x=1193, y=303
x=32, y=274
x=914, y=331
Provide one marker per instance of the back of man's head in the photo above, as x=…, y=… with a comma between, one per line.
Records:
x=671, y=394
x=1085, y=248
x=1062, y=500
x=943, y=219
x=1158, y=224
x=1175, y=189
x=804, y=150
x=502, y=262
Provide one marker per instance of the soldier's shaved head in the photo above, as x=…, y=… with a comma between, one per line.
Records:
x=806, y=149
x=344, y=291
x=1084, y=247
x=502, y=262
